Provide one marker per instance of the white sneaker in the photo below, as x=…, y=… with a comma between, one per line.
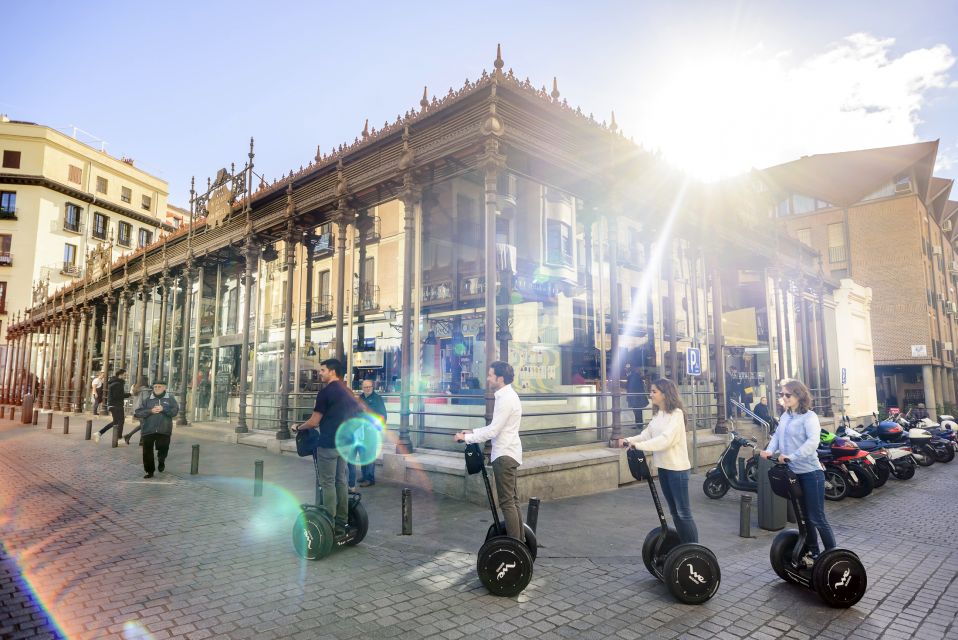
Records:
x=96, y=437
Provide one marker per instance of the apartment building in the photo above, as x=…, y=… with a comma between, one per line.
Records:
x=59, y=200
x=880, y=218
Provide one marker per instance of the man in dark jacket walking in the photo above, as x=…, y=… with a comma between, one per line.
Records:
x=157, y=412
x=115, y=395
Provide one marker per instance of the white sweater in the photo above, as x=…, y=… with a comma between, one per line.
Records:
x=665, y=438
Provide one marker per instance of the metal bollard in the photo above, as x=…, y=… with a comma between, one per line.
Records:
x=36, y=416
x=258, y=478
x=195, y=460
x=66, y=425
x=115, y=437
x=532, y=513
x=50, y=420
x=407, y=512
x=745, y=517
x=89, y=430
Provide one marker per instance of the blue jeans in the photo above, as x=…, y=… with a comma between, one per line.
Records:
x=675, y=488
x=813, y=488
x=368, y=472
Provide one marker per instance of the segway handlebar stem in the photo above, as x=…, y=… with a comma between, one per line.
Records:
x=492, y=503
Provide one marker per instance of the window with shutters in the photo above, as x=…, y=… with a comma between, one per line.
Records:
x=3, y=297
x=71, y=218
x=836, y=243
x=8, y=204
x=6, y=241
x=101, y=184
x=126, y=194
x=124, y=235
x=146, y=237
x=75, y=174
x=804, y=236
x=147, y=203
x=11, y=159
x=100, y=224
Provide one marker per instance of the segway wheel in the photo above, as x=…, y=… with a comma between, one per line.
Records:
x=836, y=485
x=715, y=487
x=650, y=554
x=504, y=566
x=903, y=471
x=692, y=573
x=531, y=542
x=865, y=482
x=839, y=578
x=312, y=534
x=780, y=554
x=944, y=453
x=359, y=519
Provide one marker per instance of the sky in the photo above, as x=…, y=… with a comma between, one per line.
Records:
x=717, y=87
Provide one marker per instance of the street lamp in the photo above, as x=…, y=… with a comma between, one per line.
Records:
x=389, y=315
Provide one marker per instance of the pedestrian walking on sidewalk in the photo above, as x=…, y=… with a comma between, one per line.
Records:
x=506, y=445
x=157, y=412
x=665, y=438
x=115, y=395
x=99, y=380
x=335, y=404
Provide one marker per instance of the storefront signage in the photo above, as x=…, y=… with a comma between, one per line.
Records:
x=227, y=341
x=368, y=359
x=219, y=206
x=531, y=289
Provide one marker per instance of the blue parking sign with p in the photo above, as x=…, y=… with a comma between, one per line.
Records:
x=693, y=362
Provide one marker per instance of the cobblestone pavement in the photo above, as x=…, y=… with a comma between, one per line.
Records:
x=109, y=554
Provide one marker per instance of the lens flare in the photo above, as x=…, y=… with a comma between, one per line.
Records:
x=359, y=440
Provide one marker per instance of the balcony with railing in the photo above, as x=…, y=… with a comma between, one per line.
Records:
x=67, y=225
x=6, y=258
x=837, y=254
x=631, y=255
x=8, y=213
x=367, y=298
x=71, y=269
x=321, y=309
x=371, y=233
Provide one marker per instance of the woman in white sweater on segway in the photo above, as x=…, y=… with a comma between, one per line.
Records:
x=665, y=438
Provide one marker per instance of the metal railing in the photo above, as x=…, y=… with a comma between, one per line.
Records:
x=323, y=245
x=71, y=269
x=6, y=258
x=828, y=402
x=766, y=427
x=367, y=298
x=372, y=233
x=8, y=212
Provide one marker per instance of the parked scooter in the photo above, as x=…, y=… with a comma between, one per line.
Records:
x=891, y=431
x=845, y=462
x=728, y=472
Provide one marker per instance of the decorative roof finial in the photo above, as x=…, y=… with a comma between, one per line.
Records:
x=498, y=64
x=424, y=103
x=613, y=127
x=366, y=129
x=319, y=154
x=555, y=89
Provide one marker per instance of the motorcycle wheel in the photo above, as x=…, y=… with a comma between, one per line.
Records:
x=924, y=455
x=944, y=454
x=865, y=483
x=882, y=472
x=836, y=484
x=715, y=487
x=903, y=471
x=751, y=471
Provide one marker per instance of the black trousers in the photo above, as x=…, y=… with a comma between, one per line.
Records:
x=162, y=443
x=118, y=418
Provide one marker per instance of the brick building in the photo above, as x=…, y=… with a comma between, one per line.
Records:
x=880, y=218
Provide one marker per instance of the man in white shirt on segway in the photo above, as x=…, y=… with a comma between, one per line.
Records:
x=506, y=446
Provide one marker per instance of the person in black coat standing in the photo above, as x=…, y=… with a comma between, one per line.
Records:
x=115, y=395
x=636, y=397
x=157, y=412
x=377, y=406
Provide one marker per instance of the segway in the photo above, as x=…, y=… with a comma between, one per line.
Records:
x=504, y=564
x=314, y=532
x=837, y=575
x=690, y=571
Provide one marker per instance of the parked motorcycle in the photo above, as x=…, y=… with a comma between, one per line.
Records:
x=895, y=459
x=842, y=455
x=728, y=472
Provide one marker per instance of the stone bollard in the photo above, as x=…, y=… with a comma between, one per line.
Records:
x=36, y=416
x=50, y=420
x=258, y=478
x=532, y=513
x=407, y=512
x=115, y=437
x=745, y=517
x=89, y=430
x=66, y=425
x=195, y=460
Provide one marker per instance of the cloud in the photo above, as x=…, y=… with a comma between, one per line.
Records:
x=723, y=114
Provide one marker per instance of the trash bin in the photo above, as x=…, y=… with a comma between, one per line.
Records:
x=26, y=414
x=771, y=508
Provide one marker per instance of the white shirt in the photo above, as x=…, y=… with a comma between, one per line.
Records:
x=665, y=438
x=504, y=428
